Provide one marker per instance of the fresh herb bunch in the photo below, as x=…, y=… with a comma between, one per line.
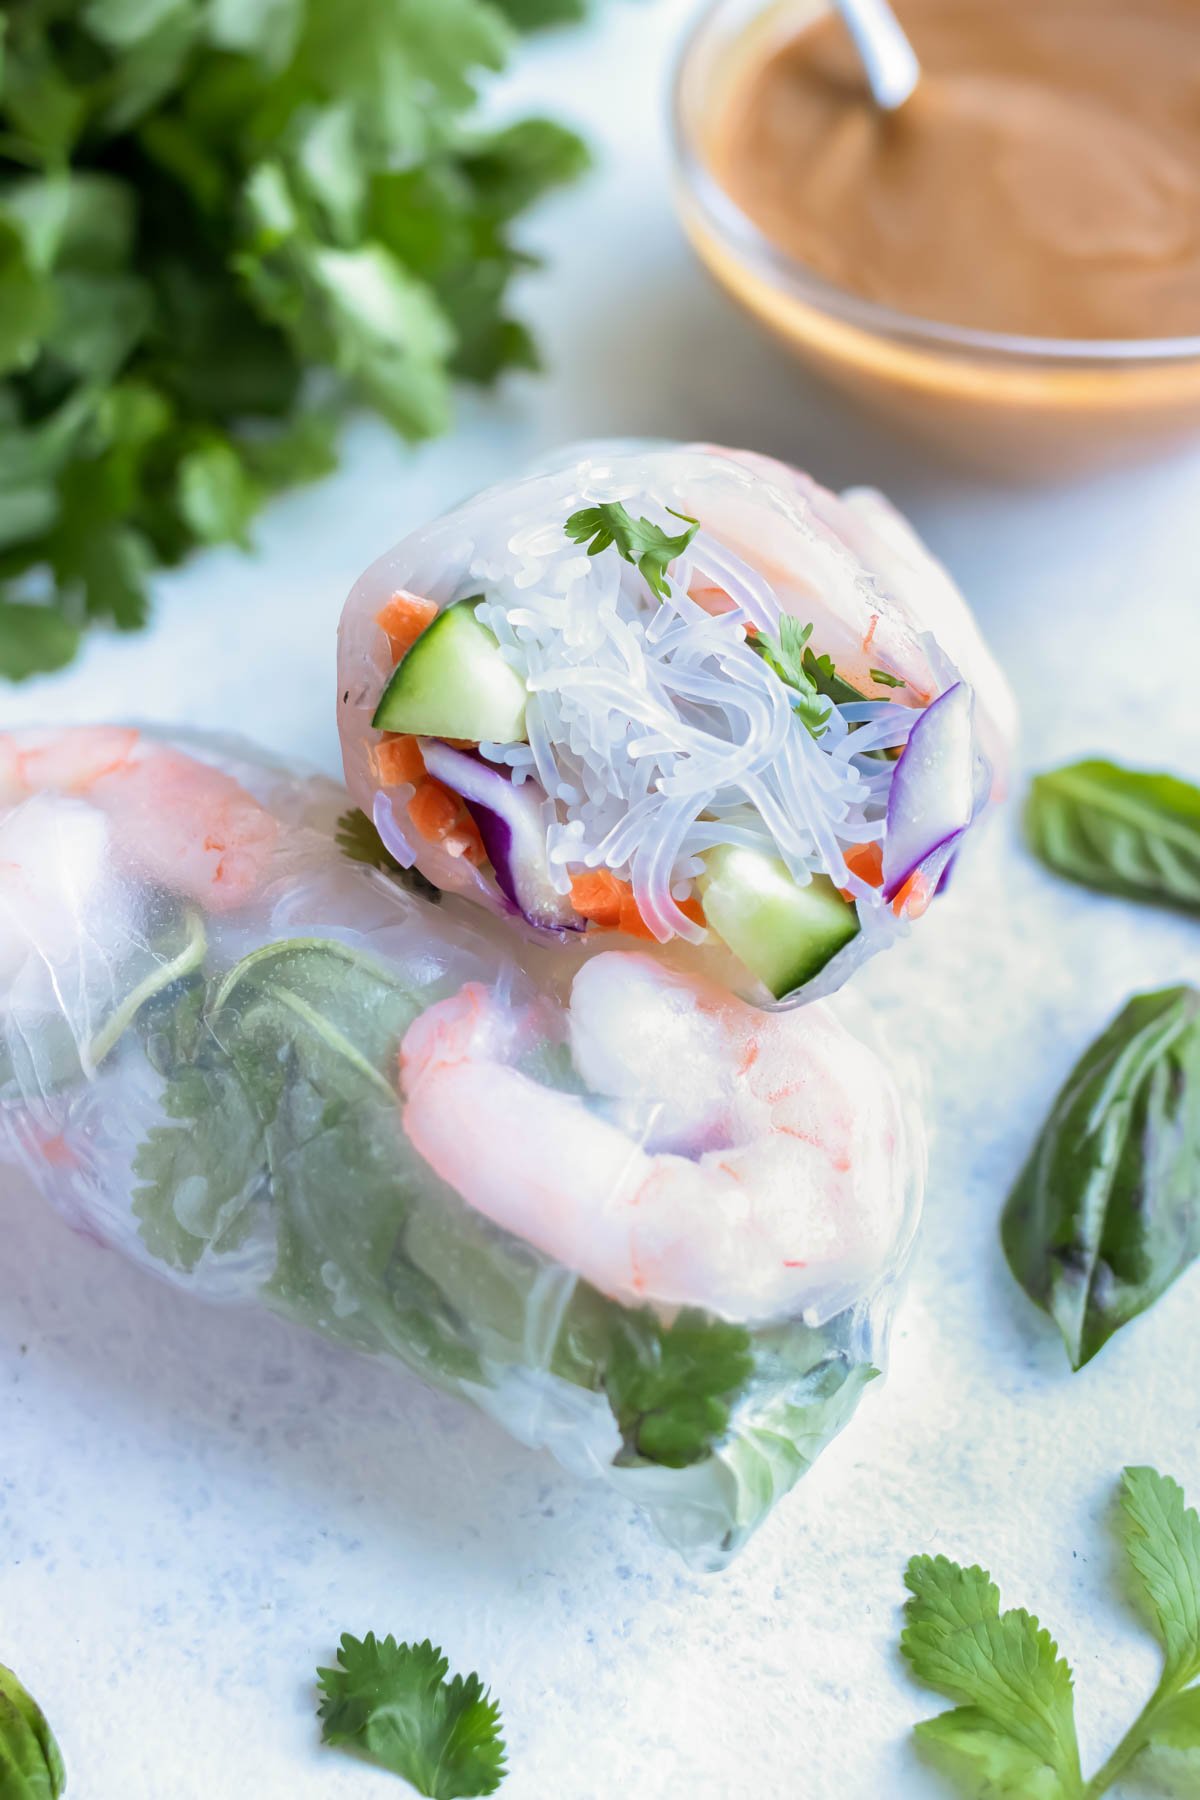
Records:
x=393, y=1704
x=222, y=221
x=1012, y=1730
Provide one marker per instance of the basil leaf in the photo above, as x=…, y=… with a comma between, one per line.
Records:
x=1125, y=831
x=1106, y=1212
x=31, y=1765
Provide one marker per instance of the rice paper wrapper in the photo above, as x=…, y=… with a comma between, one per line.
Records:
x=641, y=1224
x=658, y=724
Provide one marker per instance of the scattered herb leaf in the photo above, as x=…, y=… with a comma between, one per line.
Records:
x=31, y=1764
x=1013, y=1730
x=647, y=546
x=883, y=679
x=1125, y=831
x=393, y=1704
x=1106, y=1213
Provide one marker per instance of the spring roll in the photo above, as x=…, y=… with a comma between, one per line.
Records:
x=681, y=694
x=636, y=1220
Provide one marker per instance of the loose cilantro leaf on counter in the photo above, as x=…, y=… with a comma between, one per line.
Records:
x=31, y=1764
x=647, y=546
x=393, y=1704
x=1013, y=1729
x=221, y=226
x=1124, y=831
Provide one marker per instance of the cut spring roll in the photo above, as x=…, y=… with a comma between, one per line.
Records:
x=631, y=1217
x=680, y=694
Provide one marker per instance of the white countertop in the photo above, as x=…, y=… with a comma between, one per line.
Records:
x=195, y=1504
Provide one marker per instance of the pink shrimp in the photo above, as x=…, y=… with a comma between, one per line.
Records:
x=755, y=1164
x=174, y=819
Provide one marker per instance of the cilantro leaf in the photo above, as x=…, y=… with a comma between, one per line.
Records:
x=34, y=640
x=1016, y=1719
x=647, y=546
x=393, y=1704
x=671, y=1386
x=1014, y=1729
x=357, y=838
x=31, y=1764
x=825, y=678
x=1162, y=1540
x=787, y=655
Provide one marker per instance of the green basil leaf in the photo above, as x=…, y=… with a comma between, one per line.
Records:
x=31, y=1765
x=1125, y=831
x=1106, y=1213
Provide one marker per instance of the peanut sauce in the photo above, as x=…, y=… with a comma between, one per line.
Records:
x=1044, y=179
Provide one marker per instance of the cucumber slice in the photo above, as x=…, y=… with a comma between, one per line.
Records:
x=455, y=683
x=784, y=933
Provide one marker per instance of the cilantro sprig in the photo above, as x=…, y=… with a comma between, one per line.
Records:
x=393, y=1704
x=1012, y=1730
x=647, y=546
x=788, y=655
x=201, y=205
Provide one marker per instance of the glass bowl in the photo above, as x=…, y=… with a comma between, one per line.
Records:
x=1023, y=405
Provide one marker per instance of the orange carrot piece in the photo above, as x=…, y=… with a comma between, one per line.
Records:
x=865, y=861
x=596, y=895
x=632, y=922
x=913, y=898
x=435, y=811
x=404, y=618
x=398, y=759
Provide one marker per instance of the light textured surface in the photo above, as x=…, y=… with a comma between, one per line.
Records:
x=194, y=1505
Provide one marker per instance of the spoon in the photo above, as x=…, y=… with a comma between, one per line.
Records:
x=887, y=56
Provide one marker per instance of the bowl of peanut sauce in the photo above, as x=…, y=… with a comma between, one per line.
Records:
x=1009, y=265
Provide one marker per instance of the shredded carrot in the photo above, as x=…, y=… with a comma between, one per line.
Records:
x=441, y=818
x=404, y=618
x=870, y=631
x=435, y=811
x=596, y=895
x=913, y=898
x=608, y=903
x=632, y=922
x=865, y=861
x=399, y=759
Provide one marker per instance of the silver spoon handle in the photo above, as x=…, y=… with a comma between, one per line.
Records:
x=887, y=56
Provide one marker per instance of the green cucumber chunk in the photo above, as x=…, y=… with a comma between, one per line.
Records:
x=784, y=933
x=455, y=683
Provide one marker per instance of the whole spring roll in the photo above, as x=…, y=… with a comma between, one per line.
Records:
x=684, y=694
x=634, y=1219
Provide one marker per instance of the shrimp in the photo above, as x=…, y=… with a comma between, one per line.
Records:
x=756, y=1165
x=173, y=819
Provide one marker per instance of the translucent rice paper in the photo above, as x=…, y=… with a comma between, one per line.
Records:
x=636, y=1221
x=773, y=544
